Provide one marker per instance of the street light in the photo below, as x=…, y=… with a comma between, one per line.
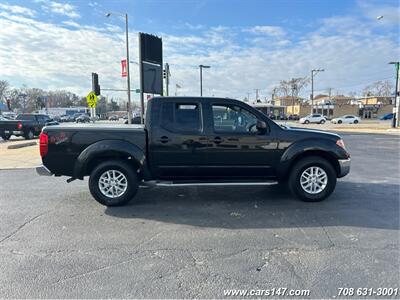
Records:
x=313, y=73
x=396, y=95
x=127, y=63
x=201, y=77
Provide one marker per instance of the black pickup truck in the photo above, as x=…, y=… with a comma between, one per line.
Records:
x=26, y=125
x=194, y=141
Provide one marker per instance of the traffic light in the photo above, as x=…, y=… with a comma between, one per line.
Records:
x=164, y=74
x=8, y=104
x=95, y=84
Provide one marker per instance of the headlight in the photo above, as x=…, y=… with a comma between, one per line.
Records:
x=340, y=143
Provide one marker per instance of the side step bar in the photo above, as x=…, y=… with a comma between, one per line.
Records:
x=153, y=183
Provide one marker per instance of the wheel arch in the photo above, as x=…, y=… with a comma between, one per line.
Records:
x=110, y=149
x=323, y=149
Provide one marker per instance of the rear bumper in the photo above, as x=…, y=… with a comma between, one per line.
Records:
x=344, y=167
x=15, y=132
x=43, y=171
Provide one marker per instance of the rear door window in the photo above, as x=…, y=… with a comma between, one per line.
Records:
x=26, y=117
x=181, y=116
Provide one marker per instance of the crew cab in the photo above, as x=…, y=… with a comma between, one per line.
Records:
x=194, y=141
x=26, y=125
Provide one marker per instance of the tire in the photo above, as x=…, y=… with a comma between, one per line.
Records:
x=5, y=137
x=29, y=134
x=355, y=122
x=322, y=122
x=306, y=122
x=302, y=167
x=121, y=197
x=339, y=122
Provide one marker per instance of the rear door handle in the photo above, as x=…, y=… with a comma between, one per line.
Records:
x=164, y=139
x=218, y=140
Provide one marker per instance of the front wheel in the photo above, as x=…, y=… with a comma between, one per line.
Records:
x=113, y=183
x=306, y=122
x=355, y=121
x=322, y=122
x=312, y=179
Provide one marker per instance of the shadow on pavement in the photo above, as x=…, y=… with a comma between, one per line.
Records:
x=352, y=204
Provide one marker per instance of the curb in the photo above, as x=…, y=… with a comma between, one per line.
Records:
x=22, y=145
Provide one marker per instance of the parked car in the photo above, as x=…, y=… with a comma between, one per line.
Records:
x=313, y=118
x=135, y=120
x=386, y=117
x=77, y=115
x=346, y=119
x=9, y=115
x=67, y=118
x=294, y=117
x=83, y=119
x=26, y=125
x=195, y=141
x=3, y=118
x=113, y=118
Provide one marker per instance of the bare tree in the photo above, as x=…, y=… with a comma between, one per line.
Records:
x=4, y=89
x=292, y=87
x=379, y=88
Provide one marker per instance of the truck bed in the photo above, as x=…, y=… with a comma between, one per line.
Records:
x=66, y=142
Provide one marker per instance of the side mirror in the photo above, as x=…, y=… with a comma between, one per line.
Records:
x=261, y=125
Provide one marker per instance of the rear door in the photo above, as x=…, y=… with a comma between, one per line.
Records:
x=177, y=140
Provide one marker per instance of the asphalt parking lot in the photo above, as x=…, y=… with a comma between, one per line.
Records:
x=56, y=241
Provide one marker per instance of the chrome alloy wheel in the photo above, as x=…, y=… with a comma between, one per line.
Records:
x=313, y=180
x=113, y=183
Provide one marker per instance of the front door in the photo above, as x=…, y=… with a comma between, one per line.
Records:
x=238, y=149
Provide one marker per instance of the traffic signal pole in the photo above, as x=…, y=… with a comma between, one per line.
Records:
x=128, y=73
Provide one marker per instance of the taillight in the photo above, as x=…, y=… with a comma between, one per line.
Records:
x=44, y=144
x=19, y=125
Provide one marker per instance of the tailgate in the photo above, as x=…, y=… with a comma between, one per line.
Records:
x=8, y=125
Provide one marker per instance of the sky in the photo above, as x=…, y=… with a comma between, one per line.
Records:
x=248, y=44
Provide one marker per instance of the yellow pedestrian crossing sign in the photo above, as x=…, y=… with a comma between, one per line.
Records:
x=91, y=99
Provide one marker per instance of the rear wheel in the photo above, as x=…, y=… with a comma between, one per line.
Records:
x=113, y=183
x=29, y=135
x=322, y=122
x=5, y=136
x=312, y=179
x=355, y=122
x=306, y=122
x=339, y=122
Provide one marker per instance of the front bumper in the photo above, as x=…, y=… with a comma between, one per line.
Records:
x=344, y=167
x=43, y=171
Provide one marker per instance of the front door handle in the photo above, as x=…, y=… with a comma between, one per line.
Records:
x=164, y=139
x=218, y=140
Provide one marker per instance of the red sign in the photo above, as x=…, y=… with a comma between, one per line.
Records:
x=124, y=73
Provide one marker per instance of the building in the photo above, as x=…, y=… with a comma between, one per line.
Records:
x=288, y=100
x=62, y=111
x=269, y=109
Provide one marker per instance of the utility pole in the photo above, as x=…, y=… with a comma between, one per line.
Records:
x=313, y=73
x=257, y=95
x=294, y=88
x=201, y=78
x=167, y=74
x=128, y=74
x=395, y=122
